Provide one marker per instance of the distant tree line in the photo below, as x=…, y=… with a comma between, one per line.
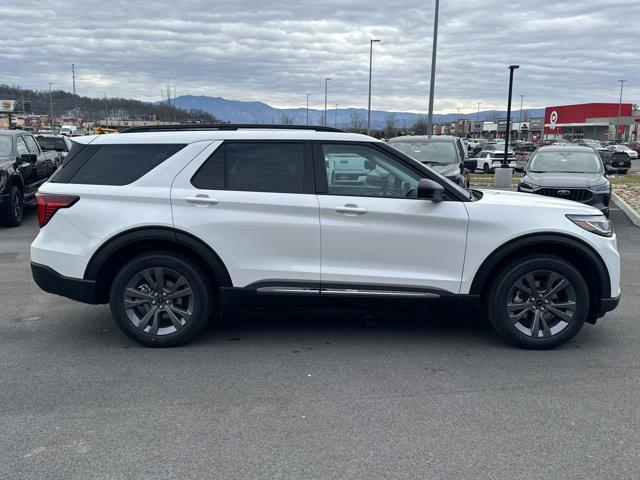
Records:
x=93, y=109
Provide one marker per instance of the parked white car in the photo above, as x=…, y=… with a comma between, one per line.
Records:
x=175, y=225
x=623, y=148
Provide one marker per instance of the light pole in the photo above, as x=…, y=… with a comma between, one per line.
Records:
x=504, y=175
x=51, y=103
x=371, y=42
x=478, y=121
x=433, y=70
x=308, y=108
x=335, y=120
x=520, y=124
x=326, y=80
x=106, y=123
x=620, y=110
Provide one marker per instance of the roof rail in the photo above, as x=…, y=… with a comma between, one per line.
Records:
x=224, y=126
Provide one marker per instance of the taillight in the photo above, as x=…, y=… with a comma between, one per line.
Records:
x=48, y=205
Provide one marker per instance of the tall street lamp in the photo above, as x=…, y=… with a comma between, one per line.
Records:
x=622, y=82
x=371, y=42
x=51, y=103
x=335, y=120
x=324, y=122
x=433, y=70
x=504, y=175
x=308, y=108
x=520, y=124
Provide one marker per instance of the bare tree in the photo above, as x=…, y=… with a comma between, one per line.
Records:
x=420, y=127
x=286, y=119
x=390, y=128
x=357, y=123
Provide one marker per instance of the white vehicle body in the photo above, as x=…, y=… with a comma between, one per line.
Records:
x=68, y=130
x=339, y=244
x=623, y=148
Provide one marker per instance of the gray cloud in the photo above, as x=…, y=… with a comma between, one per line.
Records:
x=277, y=51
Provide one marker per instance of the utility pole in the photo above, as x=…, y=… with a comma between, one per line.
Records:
x=433, y=70
x=619, y=111
x=308, y=108
x=73, y=75
x=478, y=121
x=324, y=122
x=520, y=124
x=51, y=104
x=335, y=121
x=371, y=42
x=106, y=123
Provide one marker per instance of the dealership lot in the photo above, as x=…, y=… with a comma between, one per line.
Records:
x=327, y=395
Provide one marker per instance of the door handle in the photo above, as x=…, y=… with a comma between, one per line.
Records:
x=350, y=209
x=203, y=200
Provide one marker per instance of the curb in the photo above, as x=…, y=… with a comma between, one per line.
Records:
x=626, y=208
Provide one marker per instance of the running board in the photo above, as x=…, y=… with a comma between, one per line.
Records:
x=348, y=292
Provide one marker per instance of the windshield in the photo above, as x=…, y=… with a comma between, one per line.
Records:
x=5, y=146
x=442, y=153
x=52, y=143
x=592, y=143
x=565, y=162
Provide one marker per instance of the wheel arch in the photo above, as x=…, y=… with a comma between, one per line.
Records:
x=580, y=254
x=109, y=258
x=16, y=181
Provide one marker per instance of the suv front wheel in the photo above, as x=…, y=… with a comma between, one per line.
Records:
x=161, y=299
x=539, y=302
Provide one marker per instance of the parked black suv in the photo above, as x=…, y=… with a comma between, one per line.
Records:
x=570, y=172
x=23, y=168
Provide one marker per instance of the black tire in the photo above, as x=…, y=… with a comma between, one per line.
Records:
x=199, y=305
x=486, y=168
x=622, y=172
x=499, y=297
x=12, y=212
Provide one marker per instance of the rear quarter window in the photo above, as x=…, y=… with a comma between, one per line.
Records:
x=120, y=164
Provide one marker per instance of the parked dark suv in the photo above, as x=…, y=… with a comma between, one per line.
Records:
x=443, y=153
x=570, y=172
x=23, y=168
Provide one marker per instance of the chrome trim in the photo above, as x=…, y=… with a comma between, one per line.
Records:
x=377, y=293
x=289, y=290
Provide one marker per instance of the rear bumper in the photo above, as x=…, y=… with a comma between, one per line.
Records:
x=74, y=288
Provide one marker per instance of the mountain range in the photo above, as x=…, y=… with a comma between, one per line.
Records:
x=236, y=111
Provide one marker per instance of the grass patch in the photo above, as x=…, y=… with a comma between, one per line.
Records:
x=487, y=179
x=630, y=179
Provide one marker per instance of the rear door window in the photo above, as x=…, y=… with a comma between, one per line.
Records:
x=32, y=145
x=21, y=145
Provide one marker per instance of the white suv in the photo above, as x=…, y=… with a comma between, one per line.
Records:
x=175, y=225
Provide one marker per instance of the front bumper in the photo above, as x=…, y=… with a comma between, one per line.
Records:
x=53, y=282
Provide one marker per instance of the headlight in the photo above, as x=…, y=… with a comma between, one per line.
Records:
x=598, y=224
x=529, y=187
x=602, y=187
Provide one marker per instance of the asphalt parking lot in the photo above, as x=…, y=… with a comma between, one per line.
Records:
x=329, y=395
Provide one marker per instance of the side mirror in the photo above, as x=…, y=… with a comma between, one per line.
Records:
x=470, y=164
x=430, y=190
x=29, y=157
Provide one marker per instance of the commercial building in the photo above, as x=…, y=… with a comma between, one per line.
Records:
x=599, y=121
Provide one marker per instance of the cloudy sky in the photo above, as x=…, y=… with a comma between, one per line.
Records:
x=276, y=51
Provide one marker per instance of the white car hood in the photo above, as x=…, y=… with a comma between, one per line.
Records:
x=524, y=200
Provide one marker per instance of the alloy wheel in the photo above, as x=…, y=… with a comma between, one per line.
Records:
x=17, y=208
x=158, y=301
x=541, y=304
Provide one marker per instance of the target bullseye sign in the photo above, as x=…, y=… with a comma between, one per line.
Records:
x=554, y=117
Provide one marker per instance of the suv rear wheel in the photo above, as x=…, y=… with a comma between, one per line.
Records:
x=161, y=299
x=538, y=302
x=12, y=212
